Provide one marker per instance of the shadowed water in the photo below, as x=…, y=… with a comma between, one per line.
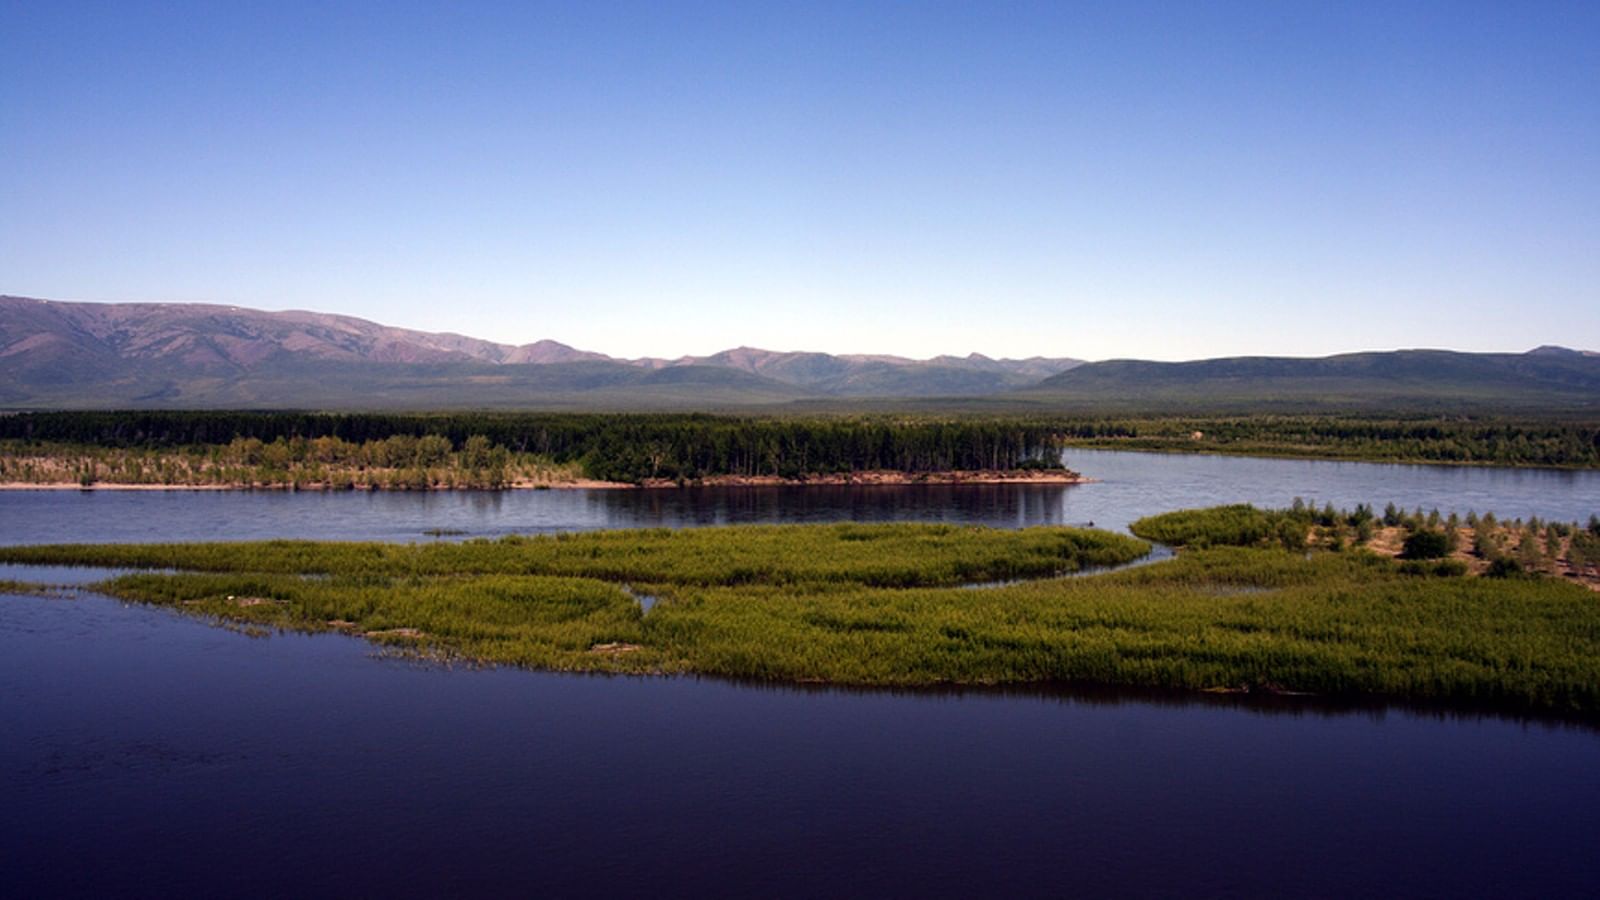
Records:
x=150, y=752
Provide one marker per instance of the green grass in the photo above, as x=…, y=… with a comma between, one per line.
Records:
x=539, y=621
x=1221, y=618
x=1236, y=526
x=882, y=605
x=900, y=555
x=25, y=588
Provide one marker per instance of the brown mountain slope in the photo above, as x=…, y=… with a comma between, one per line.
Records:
x=208, y=337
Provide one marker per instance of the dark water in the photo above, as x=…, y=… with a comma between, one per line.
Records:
x=156, y=755
x=1129, y=485
x=147, y=754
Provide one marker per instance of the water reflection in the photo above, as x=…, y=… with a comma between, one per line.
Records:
x=999, y=505
x=1369, y=709
x=1127, y=486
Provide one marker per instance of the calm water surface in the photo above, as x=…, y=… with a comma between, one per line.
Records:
x=1129, y=485
x=148, y=754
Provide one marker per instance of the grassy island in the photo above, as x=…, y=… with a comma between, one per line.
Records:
x=909, y=605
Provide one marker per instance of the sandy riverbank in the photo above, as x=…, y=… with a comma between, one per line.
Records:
x=863, y=479
x=888, y=478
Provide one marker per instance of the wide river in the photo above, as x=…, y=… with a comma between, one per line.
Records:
x=149, y=754
x=1127, y=486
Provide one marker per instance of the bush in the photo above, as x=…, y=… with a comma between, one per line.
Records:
x=1504, y=567
x=1291, y=534
x=1041, y=465
x=1364, y=530
x=1424, y=544
x=1362, y=514
x=1239, y=526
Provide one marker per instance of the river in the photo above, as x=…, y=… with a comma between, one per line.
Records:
x=1127, y=486
x=146, y=753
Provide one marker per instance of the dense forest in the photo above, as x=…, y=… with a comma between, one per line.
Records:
x=634, y=448
x=626, y=448
x=1480, y=441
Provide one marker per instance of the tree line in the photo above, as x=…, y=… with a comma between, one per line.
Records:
x=1574, y=444
x=637, y=446
x=628, y=448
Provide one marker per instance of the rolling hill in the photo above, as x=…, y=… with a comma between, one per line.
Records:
x=94, y=355
x=190, y=355
x=1547, y=378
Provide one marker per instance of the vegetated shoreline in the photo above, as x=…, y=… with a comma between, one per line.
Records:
x=1424, y=545
x=876, y=478
x=1277, y=603
x=633, y=446
x=1178, y=447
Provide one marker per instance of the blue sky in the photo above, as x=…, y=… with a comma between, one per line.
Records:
x=1165, y=181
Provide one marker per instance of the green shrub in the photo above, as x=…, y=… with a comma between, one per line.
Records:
x=1041, y=465
x=1505, y=567
x=1233, y=526
x=1364, y=530
x=1427, y=544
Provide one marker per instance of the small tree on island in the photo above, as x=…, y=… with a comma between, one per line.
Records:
x=1427, y=544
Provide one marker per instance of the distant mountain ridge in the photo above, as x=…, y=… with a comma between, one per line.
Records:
x=207, y=335
x=170, y=352
x=1417, y=380
x=94, y=355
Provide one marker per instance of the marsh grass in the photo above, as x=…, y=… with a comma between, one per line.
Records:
x=1238, y=525
x=536, y=621
x=891, y=555
x=881, y=605
x=27, y=588
x=1334, y=624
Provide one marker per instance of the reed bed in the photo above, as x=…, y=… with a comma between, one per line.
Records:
x=879, y=555
x=884, y=605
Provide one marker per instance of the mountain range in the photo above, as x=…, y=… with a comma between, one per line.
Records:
x=101, y=355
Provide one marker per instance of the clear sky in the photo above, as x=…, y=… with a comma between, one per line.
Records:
x=1165, y=181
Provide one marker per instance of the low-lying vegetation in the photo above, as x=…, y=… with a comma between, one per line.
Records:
x=890, y=605
x=876, y=555
x=9, y=586
x=1430, y=543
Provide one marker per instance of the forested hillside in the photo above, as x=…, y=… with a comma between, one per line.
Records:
x=1411, y=381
